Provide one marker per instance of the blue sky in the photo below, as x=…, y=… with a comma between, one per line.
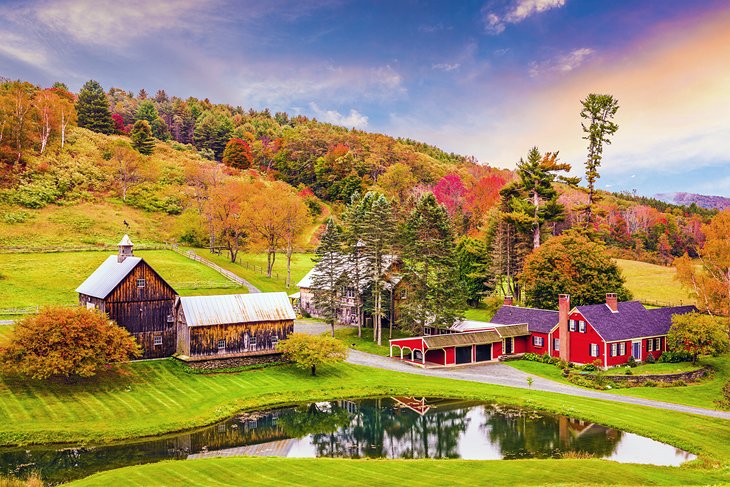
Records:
x=483, y=78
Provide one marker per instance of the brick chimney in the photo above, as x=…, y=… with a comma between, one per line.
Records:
x=125, y=249
x=612, y=302
x=508, y=300
x=563, y=312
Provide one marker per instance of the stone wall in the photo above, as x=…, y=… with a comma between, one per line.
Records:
x=691, y=376
x=232, y=362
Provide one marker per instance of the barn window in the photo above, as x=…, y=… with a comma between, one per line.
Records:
x=252, y=342
x=140, y=282
x=158, y=340
x=571, y=325
x=274, y=340
x=582, y=326
x=594, y=350
x=537, y=341
x=221, y=344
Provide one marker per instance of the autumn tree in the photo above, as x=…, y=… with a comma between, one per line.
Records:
x=66, y=110
x=598, y=111
x=397, y=182
x=237, y=154
x=710, y=281
x=92, y=108
x=269, y=218
x=532, y=199
x=311, y=351
x=142, y=139
x=328, y=276
x=571, y=264
x=17, y=115
x=125, y=166
x=698, y=334
x=226, y=209
x=66, y=342
x=296, y=218
x=435, y=294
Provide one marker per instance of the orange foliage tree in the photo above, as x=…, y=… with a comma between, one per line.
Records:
x=227, y=212
x=66, y=342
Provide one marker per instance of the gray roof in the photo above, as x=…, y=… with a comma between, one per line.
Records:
x=107, y=276
x=459, y=339
x=631, y=321
x=538, y=320
x=236, y=308
x=350, y=268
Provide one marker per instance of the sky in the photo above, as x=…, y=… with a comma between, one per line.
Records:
x=488, y=78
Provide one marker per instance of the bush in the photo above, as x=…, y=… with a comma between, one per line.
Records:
x=628, y=372
x=589, y=368
x=675, y=357
x=309, y=351
x=650, y=383
x=724, y=402
x=631, y=362
x=650, y=359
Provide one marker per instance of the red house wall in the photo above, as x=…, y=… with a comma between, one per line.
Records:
x=619, y=359
x=450, y=356
x=521, y=344
x=655, y=353
x=538, y=350
x=496, y=350
x=435, y=356
x=555, y=334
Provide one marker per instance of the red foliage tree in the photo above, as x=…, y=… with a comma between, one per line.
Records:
x=238, y=154
x=450, y=192
x=119, y=126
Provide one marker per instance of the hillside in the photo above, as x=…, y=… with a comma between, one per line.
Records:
x=701, y=200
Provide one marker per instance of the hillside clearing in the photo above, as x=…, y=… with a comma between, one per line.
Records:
x=654, y=284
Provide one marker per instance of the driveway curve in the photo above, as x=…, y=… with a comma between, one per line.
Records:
x=504, y=375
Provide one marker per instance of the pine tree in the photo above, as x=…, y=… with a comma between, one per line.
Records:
x=142, y=139
x=328, y=277
x=435, y=294
x=92, y=108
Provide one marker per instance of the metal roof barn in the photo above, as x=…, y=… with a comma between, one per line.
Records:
x=106, y=277
x=236, y=308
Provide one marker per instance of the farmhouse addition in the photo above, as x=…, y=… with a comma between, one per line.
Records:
x=131, y=293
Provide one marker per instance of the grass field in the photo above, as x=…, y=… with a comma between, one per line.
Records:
x=702, y=395
x=366, y=473
x=45, y=279
x=366, y=343
x=651, y=283
x=5, y=331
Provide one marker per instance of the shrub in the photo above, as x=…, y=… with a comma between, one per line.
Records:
x=309, y=351
x=650, y=383
x=631, y=362
x=589, y=368
x=628, y=372
x=724, y=402
x=675, y=357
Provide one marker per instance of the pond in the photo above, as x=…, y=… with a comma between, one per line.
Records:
x=398, y=427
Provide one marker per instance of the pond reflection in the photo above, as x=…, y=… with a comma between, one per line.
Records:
x=399, y=427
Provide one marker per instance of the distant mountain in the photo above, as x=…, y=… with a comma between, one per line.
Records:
x=705, y=201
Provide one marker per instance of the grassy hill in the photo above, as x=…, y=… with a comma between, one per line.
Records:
x=654, y=284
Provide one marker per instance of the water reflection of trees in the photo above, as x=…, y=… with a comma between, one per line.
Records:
x=525, y=434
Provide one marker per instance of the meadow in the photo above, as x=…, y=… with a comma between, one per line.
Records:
x=654, y=284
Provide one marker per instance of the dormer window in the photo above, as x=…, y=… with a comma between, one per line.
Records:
x=140, y=282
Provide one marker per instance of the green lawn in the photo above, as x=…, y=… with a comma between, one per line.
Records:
x=366, y=473
x=5, y=331
x=252, y=267
x=479, y=314
x=654, y=283
x=366, y=343
x=46, y=279
x=701, y=395
x=649, y=369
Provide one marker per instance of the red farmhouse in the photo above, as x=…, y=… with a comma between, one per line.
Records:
x=610, y=333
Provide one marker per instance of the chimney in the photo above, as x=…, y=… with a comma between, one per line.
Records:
x=508, y=300
x=612, y=302
x=563, y=312
x=125, y=249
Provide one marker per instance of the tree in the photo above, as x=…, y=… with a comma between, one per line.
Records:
x=328, y=275
x=267, y=218
x=311, y=351
x=66, y=342
x=125, y=166
x=599, y=111
x=296, y=218
x=435, y=294
x=212, y=131
x=92, y=108
x=142, y=139
x=710, y=281
x=698, y=334
x=571, y=264
x=474, y=269
x=398, y=181
x=237, y=154
x=532, y=199
x=147, y=111
x=17, y=110
x=226, y=209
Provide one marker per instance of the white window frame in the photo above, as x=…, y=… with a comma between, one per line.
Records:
x=614, y=349
x=556, y=344
x=538, y=341
x=571, y=325
x=658, y=344
x=622, y=349
x=594, y=350
x=157, y=340
x=222, y=341
x=650, y=345
x=252, y=342
x=582, y=326
x=141, y=282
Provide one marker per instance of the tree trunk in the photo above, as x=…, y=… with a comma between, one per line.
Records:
x=270, y=259
x=536, y=224
x=314, y=368
x=289, y=252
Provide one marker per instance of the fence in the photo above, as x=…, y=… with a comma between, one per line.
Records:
x=54, y=250
x=256, y=268
x=225, y=273
x=28, y=310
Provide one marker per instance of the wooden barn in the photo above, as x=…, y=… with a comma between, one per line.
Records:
x=232, y=326
x=131, y=293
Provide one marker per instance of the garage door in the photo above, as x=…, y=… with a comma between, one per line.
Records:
x=484, y=353
x=463, y=355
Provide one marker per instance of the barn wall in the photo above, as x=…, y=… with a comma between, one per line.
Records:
x=183, y=332
x=204, y=339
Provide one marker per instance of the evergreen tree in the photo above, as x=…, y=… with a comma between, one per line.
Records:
x=213, y=131
x=474, y=269
x=92, y=108
x=435, y=293
x=147, y=111
x=142, y=139
x=599, y=110
x=354, y=217
x=329, y=277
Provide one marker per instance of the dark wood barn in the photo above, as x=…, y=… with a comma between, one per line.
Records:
x=232, y=326
x=131, y=293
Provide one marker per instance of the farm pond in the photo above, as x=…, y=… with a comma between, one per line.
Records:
x=395, y=427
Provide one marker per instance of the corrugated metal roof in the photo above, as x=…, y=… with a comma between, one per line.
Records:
x=512, y=330
x=459, y=339
x=472, y=325
x=106, y=277
x=125, y=241
x=236, y=308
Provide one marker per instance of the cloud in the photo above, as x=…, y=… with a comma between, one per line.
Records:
x=563, y=63
x=445, y=66
x=354, y=119
x=20, y=49
x=516, y=12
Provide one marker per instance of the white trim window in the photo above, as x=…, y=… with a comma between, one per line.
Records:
x=556, y=344
x=538, y=341
x=158, y=340
x=582, y=326
x=622, y=348
x=252, y=342
x=274, y=340
x=141, y=282
x=614, y=349
x=222, y=344
x=594, y=350
x=657, y=344
x=571, y=325
x=650, y=345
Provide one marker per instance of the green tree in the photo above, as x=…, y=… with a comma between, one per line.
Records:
x=66, y=342
x=92, y=108
x=212, y=131
x=328, y=277
x=142, y=139
x=435, y=295
x=571, y=264
x=532, y=199
x=598, y=111
x=237, y=154
x=698, y=334
x=147, y=111
x=474, y=263
x=311, y=351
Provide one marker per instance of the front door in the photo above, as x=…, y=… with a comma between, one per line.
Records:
x=636, y=350
x=509, y=345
